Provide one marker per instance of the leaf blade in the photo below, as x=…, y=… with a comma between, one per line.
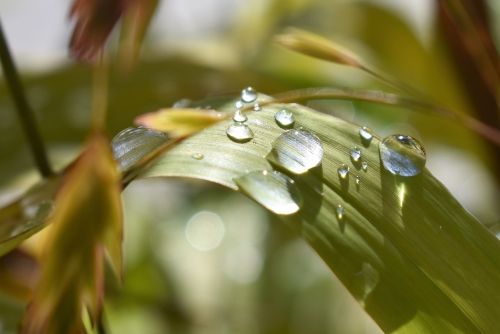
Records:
x=447, y=296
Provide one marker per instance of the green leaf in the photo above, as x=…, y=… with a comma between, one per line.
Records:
x=404, y=247
x=27, y=215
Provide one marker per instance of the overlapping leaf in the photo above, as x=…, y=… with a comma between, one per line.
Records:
x=86, y=224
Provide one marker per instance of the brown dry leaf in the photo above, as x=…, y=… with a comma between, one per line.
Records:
x=87, y=222
x=135, y=23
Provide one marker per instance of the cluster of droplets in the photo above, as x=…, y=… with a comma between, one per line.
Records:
x=299, y=150
x=239, y=131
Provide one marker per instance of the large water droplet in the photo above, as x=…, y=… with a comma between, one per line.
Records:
x=239, y=132
x=343, y=171
x=402, y=155
x=355, y=154
x=239, y=116
x=297, y=151
x=284, y=118
x=366, y=135
x=248, y=95
x=274, y=190
x=132, y=144
x=340, y=212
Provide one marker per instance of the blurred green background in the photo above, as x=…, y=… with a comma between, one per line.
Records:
x=199, y=258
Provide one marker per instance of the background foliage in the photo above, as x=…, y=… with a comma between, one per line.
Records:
x=256, y=276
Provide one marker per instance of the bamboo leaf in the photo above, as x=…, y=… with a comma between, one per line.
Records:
x=86, y=224
x=404, y=247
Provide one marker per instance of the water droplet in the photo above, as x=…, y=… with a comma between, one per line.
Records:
x=356, y=154
x=248, y=95
x=343, y=171
x=239, y=116
x=364, y=165
x=366, y=134
x=238, y=104
x=239, y=132
x=402, y=155
x=297, y=151
x=132, y=144
x=197, y=156
x=274, y=190
x=340, y=212
x=357, y=180
x=284, y=118
x=182, y=103
x=256, y=107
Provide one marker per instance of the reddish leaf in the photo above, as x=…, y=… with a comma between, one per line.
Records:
x=95, y=20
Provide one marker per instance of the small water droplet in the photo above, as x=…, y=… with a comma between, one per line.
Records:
x=297, y=151
x=274, y=190
x=340, y=212
x=343, y=171
x=364, y=165
x=197, y=156
x=239, y=116
x=182, y=103
x=402, y=155
x=238, y=104
x=239, y=132
x=366, y=135
x=248, y=95
x=356, y=154
x=357, y=180
x=284, y=118
x=256, y=107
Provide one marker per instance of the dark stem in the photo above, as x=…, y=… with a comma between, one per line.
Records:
x=24, y=110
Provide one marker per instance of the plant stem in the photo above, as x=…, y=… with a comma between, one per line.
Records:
x=100, y=95
x=23, y=108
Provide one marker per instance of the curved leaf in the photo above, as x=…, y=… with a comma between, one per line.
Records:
x=26, y=216
x=415, y=259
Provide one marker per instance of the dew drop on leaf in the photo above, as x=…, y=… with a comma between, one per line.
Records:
x=274, y=190
x=402, y=155
x=239, y=132
x=197, y=156
x=239, y=116
x=182, y=103
x=340, y=212
x=132, y=144
x=248, y=95
x=284, y=118
x=238, y=104
x=366, y=135
x=364, y=165
x=355, y=154
x=343, y=171
x=296, y=151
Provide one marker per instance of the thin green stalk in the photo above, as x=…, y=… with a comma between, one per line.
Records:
x=100, y=95
x=24, y=111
